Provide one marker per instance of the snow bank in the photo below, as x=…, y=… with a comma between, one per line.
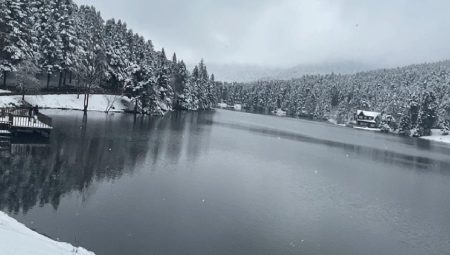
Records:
x=368, y=129
x=4, y=91
x=436, y=136
x=8, y=101
x=17, y=239
x=96, y=102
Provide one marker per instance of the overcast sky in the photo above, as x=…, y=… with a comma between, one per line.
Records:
x=289, y=32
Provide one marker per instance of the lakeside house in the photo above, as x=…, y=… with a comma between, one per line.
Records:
x=222, y=105
x=368, y=118
x=279, y=112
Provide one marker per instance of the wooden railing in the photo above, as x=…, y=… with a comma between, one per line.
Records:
x=20, y=117
x=44, y=119
x=5, y=125
x=14, y=111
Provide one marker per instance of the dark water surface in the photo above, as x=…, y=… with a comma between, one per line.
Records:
x=229, y=183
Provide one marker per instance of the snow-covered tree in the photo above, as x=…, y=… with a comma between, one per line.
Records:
x=65, y=20
x=16, y=34
x=50, y=41
x=428, y=114
x=164, y=89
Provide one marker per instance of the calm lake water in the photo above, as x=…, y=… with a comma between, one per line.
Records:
x=228, y=183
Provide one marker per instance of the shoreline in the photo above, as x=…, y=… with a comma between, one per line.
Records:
x=97, y=102
x=15, y=234
x=435, y=136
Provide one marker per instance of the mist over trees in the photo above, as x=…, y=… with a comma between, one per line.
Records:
x=417, y=96
x=71, y=42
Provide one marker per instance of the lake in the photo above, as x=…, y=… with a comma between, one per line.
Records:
x=228, y=182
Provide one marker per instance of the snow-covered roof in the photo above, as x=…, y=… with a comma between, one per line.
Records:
x=368, y=113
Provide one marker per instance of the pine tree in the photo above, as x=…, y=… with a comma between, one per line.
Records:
x=405, y=125
x=428, y=114
x=90, y=61
x=211, y=92
x=50, y=42
x=65, y=19
x=164, y=89
x=183, y=94
x=16, y=34
x=116, y=52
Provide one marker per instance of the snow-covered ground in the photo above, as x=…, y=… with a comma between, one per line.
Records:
x=4, y=91
x=17, y=239
x=102, y=103
x=436, y=136
x=367, y=128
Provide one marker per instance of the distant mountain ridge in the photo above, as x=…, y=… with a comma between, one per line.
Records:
x=249, y=73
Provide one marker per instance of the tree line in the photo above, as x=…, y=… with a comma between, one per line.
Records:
x=48, y=37
x=417, y=97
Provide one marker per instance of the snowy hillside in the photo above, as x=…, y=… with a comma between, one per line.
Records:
x=417, y=96
x=99, y=103
x=249, y=73
x=17, y=239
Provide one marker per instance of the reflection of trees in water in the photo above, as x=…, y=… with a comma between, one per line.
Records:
x=83, y=151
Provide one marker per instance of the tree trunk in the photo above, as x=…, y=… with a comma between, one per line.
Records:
x=86, y=99
x=70, y=77
x=23, y=93
x=5, y=73
x=135, y=106
x=65, y=74
x=48, y=80
x=60, y=79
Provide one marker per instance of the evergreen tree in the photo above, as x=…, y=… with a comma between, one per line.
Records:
x=116, y=52
x=16, y=34
x=182, y=90
x=65, y=19
x=428, y=114
x=164, y=89
x=405, y=125
x=50, y=42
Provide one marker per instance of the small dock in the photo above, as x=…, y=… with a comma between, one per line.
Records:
x=17, y=120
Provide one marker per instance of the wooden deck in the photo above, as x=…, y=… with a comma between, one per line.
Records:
x=17, y=120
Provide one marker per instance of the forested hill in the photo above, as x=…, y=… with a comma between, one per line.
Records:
x=59, y=38
x=418, y=96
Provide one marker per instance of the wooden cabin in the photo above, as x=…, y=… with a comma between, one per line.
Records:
x=368, y=119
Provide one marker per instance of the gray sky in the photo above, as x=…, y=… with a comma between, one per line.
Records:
x=289, y=32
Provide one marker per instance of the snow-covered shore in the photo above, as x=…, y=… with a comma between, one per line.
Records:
x=101, y=103
x=17, y=239
x=436, y=136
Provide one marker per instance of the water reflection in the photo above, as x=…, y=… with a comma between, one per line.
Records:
x=391, y=156
x=84, y=149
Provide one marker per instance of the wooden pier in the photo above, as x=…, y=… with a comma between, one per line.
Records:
x=18, y=120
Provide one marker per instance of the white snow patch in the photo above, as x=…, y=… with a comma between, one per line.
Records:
x=100, y=103
x=368, y=129
x=9, y=101
x=436, y=136
x=4, y=91
x=16, y=238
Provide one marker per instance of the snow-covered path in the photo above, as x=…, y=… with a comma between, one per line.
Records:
x=17, y=239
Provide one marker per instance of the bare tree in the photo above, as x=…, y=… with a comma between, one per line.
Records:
x=26, y=76
x=111, y=100
x=92, y=73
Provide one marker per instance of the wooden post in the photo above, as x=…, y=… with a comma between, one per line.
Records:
x=60, y=79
